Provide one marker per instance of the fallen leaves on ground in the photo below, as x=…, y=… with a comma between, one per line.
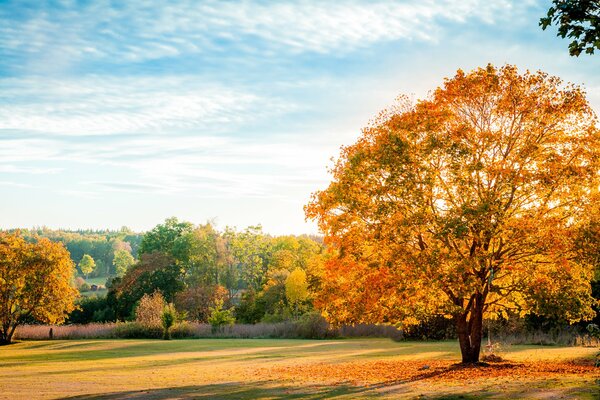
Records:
x=387, y=372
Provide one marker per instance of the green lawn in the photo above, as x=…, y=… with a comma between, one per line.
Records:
x=248, y=369
x=97, y=281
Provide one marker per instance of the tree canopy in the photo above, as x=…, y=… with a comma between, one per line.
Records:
x=578, y=20
x=122, y=261
x=87, y=264
x=35, y=283
x=464, y=204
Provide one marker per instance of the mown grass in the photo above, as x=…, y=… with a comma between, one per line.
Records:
x=230, y=368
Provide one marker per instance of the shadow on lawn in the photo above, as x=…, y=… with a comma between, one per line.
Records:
x=254, y=390
x=261, y=390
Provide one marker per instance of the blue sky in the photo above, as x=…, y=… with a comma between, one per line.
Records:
x=125, y=113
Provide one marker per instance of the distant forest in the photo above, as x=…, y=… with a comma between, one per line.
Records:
x=101, y=245
x=265, y=278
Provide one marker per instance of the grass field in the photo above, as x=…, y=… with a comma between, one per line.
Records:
x=96, y=281
x=278, y=369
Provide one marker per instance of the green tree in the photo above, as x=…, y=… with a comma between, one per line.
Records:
x=35, y=283
x=220, y=317
x=251, y=252
x=87, y=265
x=153, y=272
x=578, y=20
x=122, y=261
x=202, y=258
x=164, y=238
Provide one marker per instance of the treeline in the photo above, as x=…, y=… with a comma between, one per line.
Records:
x=244, y=276
x=100, y=245
x=248, y=274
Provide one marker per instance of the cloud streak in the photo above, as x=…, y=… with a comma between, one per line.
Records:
x=109, y=105
x=131, y=32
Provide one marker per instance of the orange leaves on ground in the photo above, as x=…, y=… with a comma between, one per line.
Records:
x=395, y=372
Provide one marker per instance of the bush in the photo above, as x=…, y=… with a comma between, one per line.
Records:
x=371, y=330
x=313, y=326
x=197, y=300
x=79, y=282
x=150, y=309
x=182, y=330
x=168, y=318
x=219, y=318
x=250, y=310
x=279, y=314
x=91, y=309
x=77, y=331
x=135, y=330
x=85, y=287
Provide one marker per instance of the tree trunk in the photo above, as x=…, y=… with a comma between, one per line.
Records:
x=470, y=331
x=6, y=335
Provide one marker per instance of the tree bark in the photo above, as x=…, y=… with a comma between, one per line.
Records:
x=6, y=335
x=469, y=327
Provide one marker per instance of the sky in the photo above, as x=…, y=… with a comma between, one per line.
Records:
x=125, y=113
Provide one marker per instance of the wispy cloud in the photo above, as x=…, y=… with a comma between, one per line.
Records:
x=124, y=112
x=109, y=105
x=13, y=169
x=67, y=32
x=15, y=184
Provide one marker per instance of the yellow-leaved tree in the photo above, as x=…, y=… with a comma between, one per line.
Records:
x=465, y=204
x=296, y=289
x=35, y=283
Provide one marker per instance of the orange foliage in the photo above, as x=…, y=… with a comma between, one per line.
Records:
x=35, y=282
x=394, y=372
x=465, y=204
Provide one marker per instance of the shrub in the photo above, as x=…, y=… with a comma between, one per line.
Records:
x=371, y=330
x=197, y=300
x=168, y=318
x=77, y=331
x=250, y=310
x=279, y=314
x=219, y=318
x=85, y=287
x=150, y=309
x=91, y=309
x=313, y=326
x=135, y=330
x=79, y=282
x=593, y=330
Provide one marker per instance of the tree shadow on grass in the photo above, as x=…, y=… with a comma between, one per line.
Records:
x=254, y=390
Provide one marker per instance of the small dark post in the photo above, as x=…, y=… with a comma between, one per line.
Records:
x=50, y=334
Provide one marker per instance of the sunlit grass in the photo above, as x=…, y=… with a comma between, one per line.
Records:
x=216, y=368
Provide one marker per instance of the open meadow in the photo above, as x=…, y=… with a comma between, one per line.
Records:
x=277, y=369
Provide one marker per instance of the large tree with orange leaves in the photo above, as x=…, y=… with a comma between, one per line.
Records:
x=35, y=283
x=465, y=204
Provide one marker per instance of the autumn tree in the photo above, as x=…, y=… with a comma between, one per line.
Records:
x=296, y=288
x=87, y=265
x=465, y=204
x=35, y=283
x=149, y=310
